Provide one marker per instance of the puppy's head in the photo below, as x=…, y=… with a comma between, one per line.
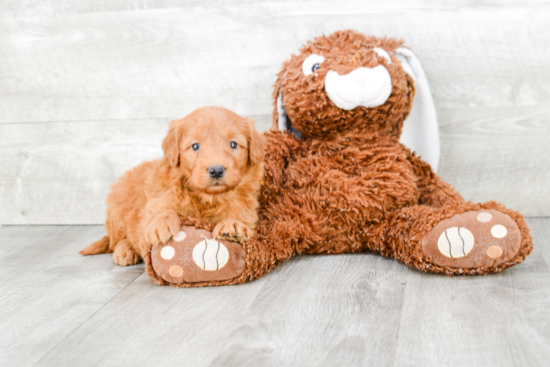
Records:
x=213, y=148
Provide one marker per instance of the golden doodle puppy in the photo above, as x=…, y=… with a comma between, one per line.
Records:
x=212, y=168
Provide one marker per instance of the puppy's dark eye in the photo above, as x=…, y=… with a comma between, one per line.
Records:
x=195, y=146
x=233, y=145
x=315, y=67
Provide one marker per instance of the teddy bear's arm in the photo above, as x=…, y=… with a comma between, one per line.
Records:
x=433, y=191
x=279, y=148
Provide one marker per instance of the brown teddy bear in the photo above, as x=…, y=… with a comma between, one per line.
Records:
x=338, y=180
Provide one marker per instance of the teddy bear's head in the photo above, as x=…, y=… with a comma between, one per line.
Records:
x=344, y=82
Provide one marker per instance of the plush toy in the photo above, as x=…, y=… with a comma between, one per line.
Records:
x=338, y=180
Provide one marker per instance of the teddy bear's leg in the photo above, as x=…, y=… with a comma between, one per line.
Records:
x=433, y=191
x=193, y=258
x=461, y=239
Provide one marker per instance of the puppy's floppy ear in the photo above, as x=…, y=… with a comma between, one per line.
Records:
x=171, y=142
x=256, y=142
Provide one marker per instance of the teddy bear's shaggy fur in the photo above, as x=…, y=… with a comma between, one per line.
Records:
x=348, y=185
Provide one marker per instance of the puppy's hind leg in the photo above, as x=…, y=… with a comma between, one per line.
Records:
x=124, y=254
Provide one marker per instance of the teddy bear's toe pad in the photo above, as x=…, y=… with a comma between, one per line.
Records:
x=194, y=256
x=473, y=239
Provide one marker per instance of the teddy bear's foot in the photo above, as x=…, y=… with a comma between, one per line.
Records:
x=194, y=256
x=474, y=239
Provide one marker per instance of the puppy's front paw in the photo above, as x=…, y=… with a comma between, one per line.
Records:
x=232, y=230
x=162, y=226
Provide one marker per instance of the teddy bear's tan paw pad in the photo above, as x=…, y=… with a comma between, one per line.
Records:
x=473, y=239
x=192, y=255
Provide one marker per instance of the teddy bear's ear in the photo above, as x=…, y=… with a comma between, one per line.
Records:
x=420, y=129
x=280, y=119
x=280, y=113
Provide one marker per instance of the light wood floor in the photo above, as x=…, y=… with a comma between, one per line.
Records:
x=58, y=308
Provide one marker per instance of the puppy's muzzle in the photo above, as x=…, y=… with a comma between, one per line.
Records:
x=216, y=171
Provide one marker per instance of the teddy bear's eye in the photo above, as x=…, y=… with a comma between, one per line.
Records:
x=312, y=63
x=233, y=145
x=382, y=53
x=196, y=146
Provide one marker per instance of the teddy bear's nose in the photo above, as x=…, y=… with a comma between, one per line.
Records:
x=359, y=76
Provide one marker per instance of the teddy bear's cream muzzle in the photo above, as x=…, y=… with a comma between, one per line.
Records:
x=364, y=87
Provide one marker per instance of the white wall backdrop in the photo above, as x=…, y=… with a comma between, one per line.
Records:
x=87, y=88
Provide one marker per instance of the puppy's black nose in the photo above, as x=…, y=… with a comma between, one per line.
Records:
x=216, y=171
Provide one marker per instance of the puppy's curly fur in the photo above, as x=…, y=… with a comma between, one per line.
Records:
x=145, y=205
